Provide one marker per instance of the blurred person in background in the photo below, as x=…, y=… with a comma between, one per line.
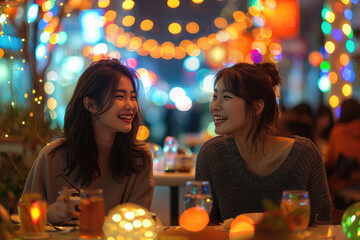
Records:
x=299, y=120
x=343, y=158
x=323, y=123
x=253, y=159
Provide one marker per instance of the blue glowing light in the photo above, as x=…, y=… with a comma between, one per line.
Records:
x=324, y=53
x=338, y=111
x=191, y=64
x=92, y=25
x=337, y=34
x=7, y=41
x=278, y=57
x=159, y=97
x=347, y=74
x=32, y=12
x=40, y=51
x=42, y=24
x=54, y=10
x=258, y=21
x=348, y=14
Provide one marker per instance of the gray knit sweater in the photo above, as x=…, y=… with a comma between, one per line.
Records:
x=236, y=190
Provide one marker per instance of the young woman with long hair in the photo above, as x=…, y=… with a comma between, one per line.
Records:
x=99, y=148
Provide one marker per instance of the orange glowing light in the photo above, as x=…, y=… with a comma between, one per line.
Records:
x=333, y=77
x=143, y=133
x=192, y=27
x=338, y=7
x=149, y=44
x=179, y=53
x=344, y=59
x=155, y=52
x=1, y=52
x=35, y=212
x=285, y=19
x=110, y=15
x=239, y=16
x=242, y=227
x=220, y=22
x=128, y=21
x=146, y=25
x=194, y=219
x=315, y=58
x=204, y=43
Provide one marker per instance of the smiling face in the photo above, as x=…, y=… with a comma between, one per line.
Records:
x=119, y=117
x=229, y=112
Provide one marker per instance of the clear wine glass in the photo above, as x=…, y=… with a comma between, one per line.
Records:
x=297, y=202
x=198, y=194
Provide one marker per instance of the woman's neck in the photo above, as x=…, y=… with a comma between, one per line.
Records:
x=250, y=148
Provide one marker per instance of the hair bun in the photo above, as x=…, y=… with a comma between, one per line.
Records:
x=270, y=69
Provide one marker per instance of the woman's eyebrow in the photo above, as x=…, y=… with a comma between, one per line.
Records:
x=222, y=91
x=123, y=91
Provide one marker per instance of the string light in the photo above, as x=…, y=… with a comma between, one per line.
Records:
x=338, y=47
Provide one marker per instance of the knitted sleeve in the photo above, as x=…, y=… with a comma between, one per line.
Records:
x=204, y=164
x=320, y=200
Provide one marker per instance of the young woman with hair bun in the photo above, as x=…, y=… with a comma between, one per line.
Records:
x=253, y=158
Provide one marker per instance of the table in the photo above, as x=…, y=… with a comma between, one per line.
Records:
x=174, y=180
x=209, y=233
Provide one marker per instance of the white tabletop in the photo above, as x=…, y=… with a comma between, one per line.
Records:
x=173, y=178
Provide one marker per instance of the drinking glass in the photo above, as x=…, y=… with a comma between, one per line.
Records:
x=92, y=213
x=297, y=200
x=32, y=214
x=198, y=194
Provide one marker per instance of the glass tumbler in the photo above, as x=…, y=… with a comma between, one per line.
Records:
x=297, y=203
x=198, y=194
x=92, y=213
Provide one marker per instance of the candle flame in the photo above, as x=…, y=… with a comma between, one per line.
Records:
x=35, y=212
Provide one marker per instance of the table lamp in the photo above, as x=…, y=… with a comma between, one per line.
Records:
x=194, y=219
x=350, y=221
x=129, y=221
x=242, y=228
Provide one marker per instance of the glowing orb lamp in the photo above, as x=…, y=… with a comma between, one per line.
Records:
x=129, y=221
x=242, y=228
x=194, y=219
x=350, y=221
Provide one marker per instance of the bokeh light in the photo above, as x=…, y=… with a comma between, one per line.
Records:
x=334, y=101
x=173, y=3
x=174, y=28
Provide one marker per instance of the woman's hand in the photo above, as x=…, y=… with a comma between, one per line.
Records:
x=60, y=211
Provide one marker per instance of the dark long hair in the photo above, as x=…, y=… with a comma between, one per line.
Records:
x=99, y=82
x=253, y=82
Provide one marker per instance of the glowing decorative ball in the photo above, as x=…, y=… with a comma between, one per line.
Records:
x=350, y=221
x=194, y=219
x=129, y=221
x=242, y=228
x=256, y=55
